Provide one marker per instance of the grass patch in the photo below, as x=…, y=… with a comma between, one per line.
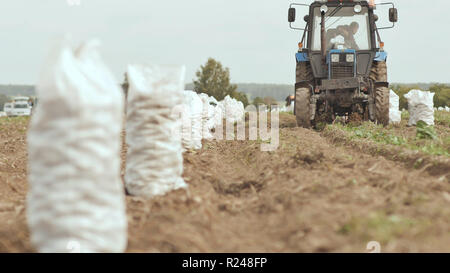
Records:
x=426, y=139
x=442, y=118
x=405, y=115
x=6, y=121
x=381, y=227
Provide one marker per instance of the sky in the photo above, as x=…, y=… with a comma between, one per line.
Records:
x=250, y=37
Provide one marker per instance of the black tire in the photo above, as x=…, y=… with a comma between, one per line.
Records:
x=378, y=73
x=382, y=105
x=303, y=72
x=303, y=95
x=302, y=107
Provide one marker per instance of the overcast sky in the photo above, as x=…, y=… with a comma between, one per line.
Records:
x=251, y=37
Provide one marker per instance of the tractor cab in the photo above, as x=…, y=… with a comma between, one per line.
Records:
x=347, y=28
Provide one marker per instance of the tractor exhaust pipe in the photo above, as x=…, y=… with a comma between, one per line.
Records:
x=323, y=43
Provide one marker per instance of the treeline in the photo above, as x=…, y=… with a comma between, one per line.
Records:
x=268, y=92
x=17, y=90
x=277, y=92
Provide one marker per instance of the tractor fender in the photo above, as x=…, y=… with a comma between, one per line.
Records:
x=301, y=57
x=380, y=56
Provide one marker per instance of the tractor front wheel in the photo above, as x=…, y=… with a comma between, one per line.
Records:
x=378, y=74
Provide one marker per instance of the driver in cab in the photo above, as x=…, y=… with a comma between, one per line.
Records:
x=346, y=31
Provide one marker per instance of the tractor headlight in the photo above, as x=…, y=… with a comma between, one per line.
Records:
x=350, y=58
x=357, y=8
x=334, y=58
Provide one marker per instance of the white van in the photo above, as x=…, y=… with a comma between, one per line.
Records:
x=21, y=107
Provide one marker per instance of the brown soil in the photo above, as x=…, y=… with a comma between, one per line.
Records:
x=310, y=195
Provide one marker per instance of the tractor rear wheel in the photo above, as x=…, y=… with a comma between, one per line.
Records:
x=302, y=107
x=303, y=95
x=382, y=105
x=378, y=73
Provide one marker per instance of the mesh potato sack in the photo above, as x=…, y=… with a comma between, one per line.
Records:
x=76, y=198
x=420, y=107
x=192, y=120
x=154, y=158
x=395, y=116
x=207, y=116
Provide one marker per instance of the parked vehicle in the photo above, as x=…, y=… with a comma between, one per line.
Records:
x=20, y=106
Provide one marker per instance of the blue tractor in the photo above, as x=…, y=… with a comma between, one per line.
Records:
x=341, y=64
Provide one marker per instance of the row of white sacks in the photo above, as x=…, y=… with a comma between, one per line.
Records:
x=76, y=199
x=203, y=113
x=289, y=108
x=420, y=107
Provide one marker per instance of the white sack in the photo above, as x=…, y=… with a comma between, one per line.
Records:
x=192, y=120
x=395, y=116
x=219, y=114
x=229, y=109
x=76, y=198
x=213, y=101
x=197, y=125
x=447, y=109
x=212, y=104
x=154, y=159
x=233, y=110
x=207, y=116
x=420, y=106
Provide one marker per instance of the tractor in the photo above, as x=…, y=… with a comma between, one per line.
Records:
x=341, y=63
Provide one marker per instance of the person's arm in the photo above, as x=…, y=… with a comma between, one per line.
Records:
x=351, y=42
x=331, y=33
x=344, y=31
x=355, y=45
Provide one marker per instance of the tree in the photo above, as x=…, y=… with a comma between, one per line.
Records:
x=257, y=101
x=269, y=101
x=240, y=97
x=214, y=80
x=442, y=95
